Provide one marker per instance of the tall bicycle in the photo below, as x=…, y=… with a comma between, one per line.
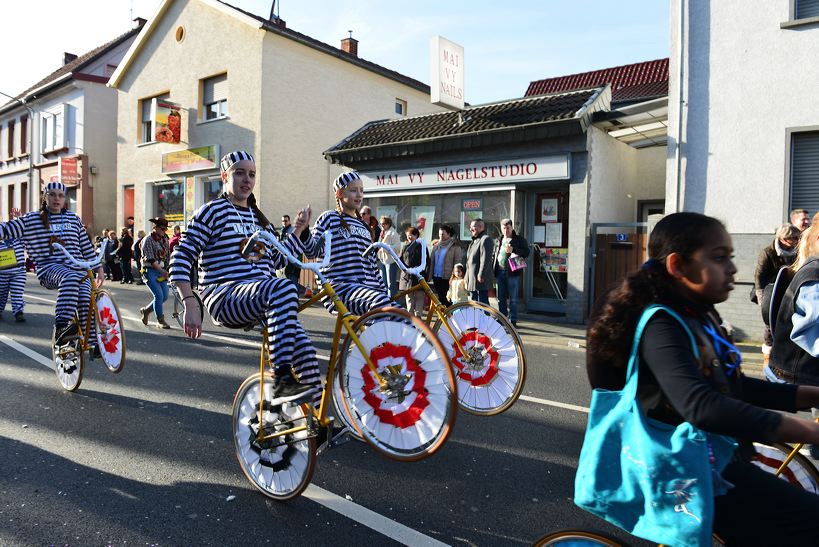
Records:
x=69, y=358
x=393, y=379
x=484, y=348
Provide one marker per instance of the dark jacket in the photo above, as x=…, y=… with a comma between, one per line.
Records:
x=291, y=269
x=519, y=246
x=125, y=251
x=479, y=263
x=768, y=264
x=411, y=256
x=111, y=247
x=788, y=360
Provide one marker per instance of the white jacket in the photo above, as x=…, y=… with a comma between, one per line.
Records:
x=391, y=238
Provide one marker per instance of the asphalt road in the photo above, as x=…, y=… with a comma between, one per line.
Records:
x=146, y=457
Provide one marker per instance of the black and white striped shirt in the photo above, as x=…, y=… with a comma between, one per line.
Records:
x=214, y=239
x=65, y=225
x=348, y=263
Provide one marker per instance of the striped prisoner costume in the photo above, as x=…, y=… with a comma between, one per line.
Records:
x=53, y=269
x=13, y=280
x=237, y=292
x=356, y=278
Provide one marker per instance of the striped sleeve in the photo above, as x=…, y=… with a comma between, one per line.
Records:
x=186, y=252
x=13, y=229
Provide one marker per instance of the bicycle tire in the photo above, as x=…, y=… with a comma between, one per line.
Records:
x=484, y=388
x=110, y=332
x=279, y=469
x=799, y=472
x=340, y=412
x=179, y=308
x=577, y=538
x=414, y=417
x=69, y=362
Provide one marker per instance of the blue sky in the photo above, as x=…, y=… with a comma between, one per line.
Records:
x=507, y=44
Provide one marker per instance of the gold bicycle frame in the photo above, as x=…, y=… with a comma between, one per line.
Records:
x=796, y=448
x=435, y=308
x=92, y=310
x=344, y=319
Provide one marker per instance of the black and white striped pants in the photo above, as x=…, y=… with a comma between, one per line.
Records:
x=73, y=293
x=12, y=281
x=275, y=302
x=358, y=298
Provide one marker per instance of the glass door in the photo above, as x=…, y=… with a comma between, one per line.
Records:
x=550, y=246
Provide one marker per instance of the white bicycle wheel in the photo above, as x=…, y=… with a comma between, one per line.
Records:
x=281, y=467
x=411, y=416
x=799, y=472
x=340, y=411
x=490, y=375
x=110, y=333
x=69, y=363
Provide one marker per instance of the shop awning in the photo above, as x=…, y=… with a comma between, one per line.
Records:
x=639, y=125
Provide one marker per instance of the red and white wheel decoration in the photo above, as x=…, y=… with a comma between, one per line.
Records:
x=490, y=370
x=770, y=458
x=110, y=336
x=414, y=410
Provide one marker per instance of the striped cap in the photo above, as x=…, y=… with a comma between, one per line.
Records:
x=234, y=157
x=55, y=185
x=344, y=179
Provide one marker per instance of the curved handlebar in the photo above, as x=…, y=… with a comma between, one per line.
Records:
x=416, y=270
x=84, y=264
x=269, y=238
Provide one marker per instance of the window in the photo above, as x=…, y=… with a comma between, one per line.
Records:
x=804, y=171
x=53, y=128
x=10, y=140
x=215, y=97
x=147, y=108
x=24, y=135
x=401, y=107
x=804, y=9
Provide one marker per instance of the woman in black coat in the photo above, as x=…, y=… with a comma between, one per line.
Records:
x=125, y=254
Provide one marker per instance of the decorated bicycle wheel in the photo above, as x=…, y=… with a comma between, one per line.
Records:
x=110, y=332
x=410, y=415
x=69, y=363
x=340, y=411
x=799, y=471
x=280, y=467
x=179, y=308
x=491, y=368
x=577, y=538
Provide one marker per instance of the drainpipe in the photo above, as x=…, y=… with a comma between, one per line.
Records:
x=30, y=144
x=680, y=97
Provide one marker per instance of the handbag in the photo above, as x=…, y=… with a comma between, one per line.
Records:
x=655, y=480
x=516, y=263
x=8, y=259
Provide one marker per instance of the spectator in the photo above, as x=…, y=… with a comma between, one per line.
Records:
x=781, y=252
x=129, y=223
x=177, y=235
x=125, y=253
x=800, y=218
x=291, y=271
x=367, y=217
x=479, y=275
x=111, y=259
x=457, y=289
x=445, y=254
x=411, y=257
x=509, y=247
x=138, y=255
x=387, y=265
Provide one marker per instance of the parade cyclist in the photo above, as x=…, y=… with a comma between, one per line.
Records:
x=238, y=292
x=37, y=230
x=356, y=278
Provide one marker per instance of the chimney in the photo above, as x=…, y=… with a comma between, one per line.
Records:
x=68, y=57
x=350, y=45
x=139, y=22
x=278, y=21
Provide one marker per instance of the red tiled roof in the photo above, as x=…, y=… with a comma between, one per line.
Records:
x=628, y=82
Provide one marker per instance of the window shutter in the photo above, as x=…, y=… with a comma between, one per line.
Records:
x=24, y=134
x=807, y=8
x=805, y=171
x=59, y=128
x=215, y=89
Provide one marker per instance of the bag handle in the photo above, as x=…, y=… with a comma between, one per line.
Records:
x=630, y=388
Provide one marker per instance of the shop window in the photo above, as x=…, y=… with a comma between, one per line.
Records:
x=147, y=108
x=401, y=107
x=169, y=201
x=71, y=199
x=215, y=97
x=213, y=188
x=53, y=136
x=804, y=171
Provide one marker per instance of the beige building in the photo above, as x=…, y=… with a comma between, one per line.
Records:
x=237, y=81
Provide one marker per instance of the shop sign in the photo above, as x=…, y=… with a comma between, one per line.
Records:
x=472, y=204
x=447, y=64
x=69, y=172
x=469, y=174
x=192, y=159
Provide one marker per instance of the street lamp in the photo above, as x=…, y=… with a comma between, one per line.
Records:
x=30, y=143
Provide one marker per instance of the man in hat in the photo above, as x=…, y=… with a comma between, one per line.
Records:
x=154, y=263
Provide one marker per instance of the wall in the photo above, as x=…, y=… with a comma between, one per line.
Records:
x=100, y=132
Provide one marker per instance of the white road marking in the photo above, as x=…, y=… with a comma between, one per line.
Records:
x=390, y=528
x=27, y=352
x=554, y=403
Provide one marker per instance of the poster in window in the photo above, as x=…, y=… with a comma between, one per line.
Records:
x=423, y=217
x=553, y=235
x=168, y=123
x=554, y=259
x=471, y=209
x=548, y=210
x=388, y=211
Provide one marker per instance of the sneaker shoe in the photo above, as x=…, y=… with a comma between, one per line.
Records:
x=65, y=333
x=19, y=317
x=95, y=353
x=145, y=313
x=287, y=389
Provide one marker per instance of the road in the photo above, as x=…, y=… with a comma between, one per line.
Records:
x=146, y=457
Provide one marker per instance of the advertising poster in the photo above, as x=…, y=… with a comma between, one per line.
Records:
x=471, y=208
x=423, y=217
x=168, y=123
x=554, y=259
x=548, y=210
x=388, y=211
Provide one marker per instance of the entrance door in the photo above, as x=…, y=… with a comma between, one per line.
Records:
x=550, y=250
x=617, y=251
x=127, y=204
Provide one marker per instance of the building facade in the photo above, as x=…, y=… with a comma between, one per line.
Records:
x=744, y=125
x=64, y=127
x=232, y=80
